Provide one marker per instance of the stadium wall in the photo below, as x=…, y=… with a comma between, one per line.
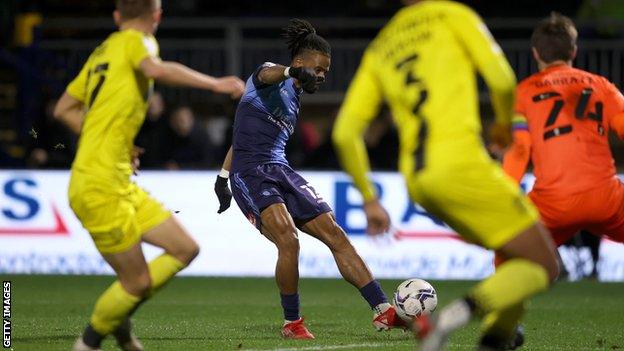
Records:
x=39, y=233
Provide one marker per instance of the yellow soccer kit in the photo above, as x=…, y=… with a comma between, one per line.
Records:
x=423, y=64
x=114, y=93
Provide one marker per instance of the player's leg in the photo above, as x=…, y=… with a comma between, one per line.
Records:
x=313, y=216
x=180, y=250
x=162, y=230
x=111, y=221
x=484, y=206
x=159, y=228
x=139, y=213
x=120, y=299
x=527, y=259
x=563, y=219
x=351, y=266
x=564, y=216
x=611, y=199
x=501, y=327
x=592, y=242
x=279, y=227
x=269, y=215
x=530, y=267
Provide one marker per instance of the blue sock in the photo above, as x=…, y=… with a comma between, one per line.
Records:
x=290, y=304
x=373, y=294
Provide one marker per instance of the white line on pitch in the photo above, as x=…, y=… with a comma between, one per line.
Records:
x=322, y=348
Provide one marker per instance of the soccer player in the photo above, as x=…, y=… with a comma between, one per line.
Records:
x=562, y=123
x=563, y=117
x=271, y=195
x=423, y=64
x=106, y=103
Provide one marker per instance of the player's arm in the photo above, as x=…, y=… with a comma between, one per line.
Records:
x=360, y=106
x=70, y=107
x=224, y=194
x=490, y=61
x=517, y=157
x=142, y=53
x=69, y=111
x=177, y=74
x=227, y=163
x=271, y=73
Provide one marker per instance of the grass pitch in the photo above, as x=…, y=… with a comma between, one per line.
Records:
x=48, y=312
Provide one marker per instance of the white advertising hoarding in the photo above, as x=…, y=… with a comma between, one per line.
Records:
x=40, y=234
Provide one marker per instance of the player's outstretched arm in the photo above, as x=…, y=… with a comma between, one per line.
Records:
x=224, y=194
x=361, y=105
x=273, y=74
x=69, y=111
x=174, y=73
x=359, y=108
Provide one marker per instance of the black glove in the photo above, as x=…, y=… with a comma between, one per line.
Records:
x=306, y=77
x=223, y=193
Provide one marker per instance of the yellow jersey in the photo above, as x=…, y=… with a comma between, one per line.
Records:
x=423, y=63
x=114, y=93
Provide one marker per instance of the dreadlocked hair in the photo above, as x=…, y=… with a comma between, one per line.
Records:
x=300, y=35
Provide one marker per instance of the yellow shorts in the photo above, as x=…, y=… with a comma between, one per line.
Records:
x=477, y=199
x=116, y=217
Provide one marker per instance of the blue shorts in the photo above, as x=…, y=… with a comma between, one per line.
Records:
x=258, y=188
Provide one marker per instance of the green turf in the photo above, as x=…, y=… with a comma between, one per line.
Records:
x=234, y=314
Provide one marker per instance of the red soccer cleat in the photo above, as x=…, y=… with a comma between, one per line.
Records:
x=296, y=330
x=388, y=320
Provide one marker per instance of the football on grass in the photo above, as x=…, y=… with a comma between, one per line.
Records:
x=413, y=298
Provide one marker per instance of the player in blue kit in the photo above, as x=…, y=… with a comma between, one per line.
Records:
x=276, y=199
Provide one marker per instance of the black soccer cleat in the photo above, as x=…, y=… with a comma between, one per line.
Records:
x=518, y=340
x=490, y=342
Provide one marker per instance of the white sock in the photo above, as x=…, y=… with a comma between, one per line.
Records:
x=381, y=308
x=454, y=316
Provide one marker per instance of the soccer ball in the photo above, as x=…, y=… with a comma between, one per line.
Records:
x=413, y=298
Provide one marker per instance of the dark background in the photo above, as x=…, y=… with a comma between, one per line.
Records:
x=318, y=8
x=189, y=129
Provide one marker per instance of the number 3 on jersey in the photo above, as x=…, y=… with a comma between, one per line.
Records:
x=422, y=94
x=579, y=112
x=412, y=80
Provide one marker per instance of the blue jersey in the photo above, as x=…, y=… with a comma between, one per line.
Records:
x=265, y=118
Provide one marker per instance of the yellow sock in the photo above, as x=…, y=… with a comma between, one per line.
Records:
x=112, y=308
x=515, y=281
x=115, y=304
x=162, y=269
x=503, y=323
